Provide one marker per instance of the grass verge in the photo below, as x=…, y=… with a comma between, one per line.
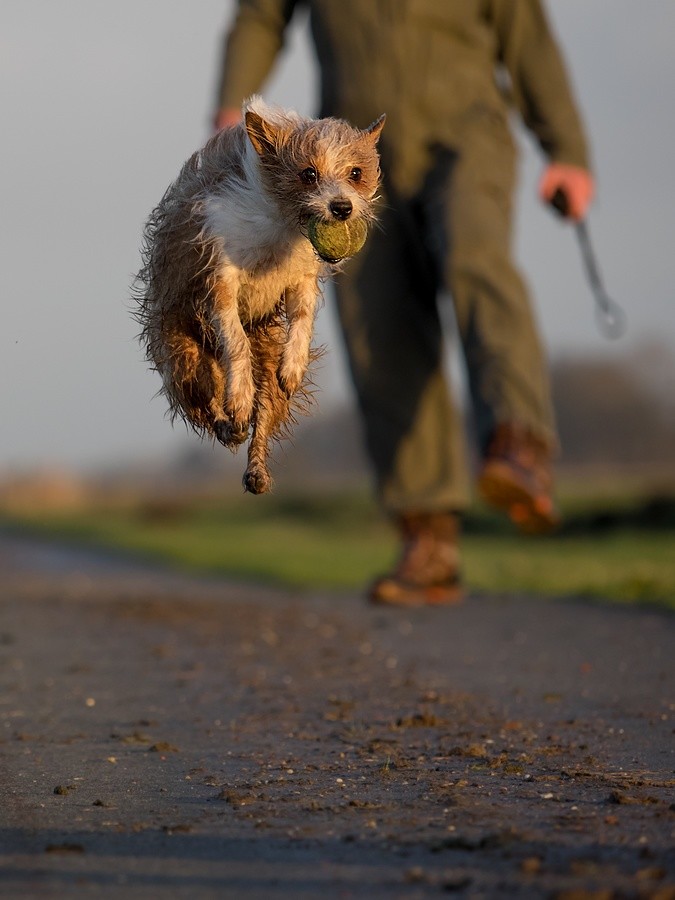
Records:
x=621, y=552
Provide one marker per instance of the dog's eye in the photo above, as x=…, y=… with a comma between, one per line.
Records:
x=309, y=175
x=355, y=174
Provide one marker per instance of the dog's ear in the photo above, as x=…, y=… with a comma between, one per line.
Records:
x=375, y=128
x=262, y=134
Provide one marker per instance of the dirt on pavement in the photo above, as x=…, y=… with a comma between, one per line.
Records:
x=168, y=736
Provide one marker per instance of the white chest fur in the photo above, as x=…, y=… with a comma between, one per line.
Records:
x=259, y=290
x=261, y=259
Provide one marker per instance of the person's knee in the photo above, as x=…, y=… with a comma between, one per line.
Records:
x=475, y=260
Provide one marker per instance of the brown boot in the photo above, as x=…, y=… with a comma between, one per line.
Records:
x=517, y=479
x=427, y=573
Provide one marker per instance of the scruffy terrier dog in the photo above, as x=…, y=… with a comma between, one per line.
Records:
x=233, y=257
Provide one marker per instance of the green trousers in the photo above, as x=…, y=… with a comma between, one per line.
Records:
x=452, y=234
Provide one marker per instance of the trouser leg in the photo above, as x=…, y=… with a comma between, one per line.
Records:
x=507, y=369
x=388, y=313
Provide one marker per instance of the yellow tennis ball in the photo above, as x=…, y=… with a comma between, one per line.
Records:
x=336, y=240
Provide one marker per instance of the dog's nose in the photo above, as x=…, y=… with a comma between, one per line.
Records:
x=341, y=209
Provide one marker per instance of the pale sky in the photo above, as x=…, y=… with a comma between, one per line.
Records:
x=101, y=102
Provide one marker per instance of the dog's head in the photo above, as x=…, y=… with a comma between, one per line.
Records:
x=320, y=170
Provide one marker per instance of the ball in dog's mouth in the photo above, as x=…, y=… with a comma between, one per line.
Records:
x=335, y=240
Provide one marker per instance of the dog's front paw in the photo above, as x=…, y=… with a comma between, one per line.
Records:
x=290, y=379
x=239, y=414
x=230, y=434
x=257, y=480
x=240, y=398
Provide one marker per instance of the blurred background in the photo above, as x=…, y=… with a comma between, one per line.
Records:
x=102, y=102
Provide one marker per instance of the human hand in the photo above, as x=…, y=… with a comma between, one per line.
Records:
x=575, y=184
x=225, y=117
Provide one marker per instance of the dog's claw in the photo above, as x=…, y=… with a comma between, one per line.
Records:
x=284, y=389
x=289, y=386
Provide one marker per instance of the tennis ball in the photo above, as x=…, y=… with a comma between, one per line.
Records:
x=336, y=240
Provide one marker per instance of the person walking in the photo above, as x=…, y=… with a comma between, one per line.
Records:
x=447, y=75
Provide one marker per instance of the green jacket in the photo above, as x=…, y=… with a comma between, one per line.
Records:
x=439, y=69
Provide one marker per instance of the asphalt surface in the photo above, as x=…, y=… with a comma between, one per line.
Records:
x=166, y=736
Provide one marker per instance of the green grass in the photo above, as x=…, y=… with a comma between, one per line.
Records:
x=622, y=551
x=630, y=566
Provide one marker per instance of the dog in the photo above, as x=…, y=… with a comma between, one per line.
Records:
x=230, y=280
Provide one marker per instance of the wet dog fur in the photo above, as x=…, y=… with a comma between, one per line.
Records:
x=229, y=286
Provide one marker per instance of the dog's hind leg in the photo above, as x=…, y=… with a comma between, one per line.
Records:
x=271, y=404
x=194, y=384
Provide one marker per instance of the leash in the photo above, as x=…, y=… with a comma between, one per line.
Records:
x=610, y=316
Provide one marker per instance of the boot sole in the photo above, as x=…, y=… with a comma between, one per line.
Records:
x=530, y=513
x=394, y=593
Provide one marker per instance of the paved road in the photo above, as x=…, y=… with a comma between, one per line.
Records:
x=162, y=736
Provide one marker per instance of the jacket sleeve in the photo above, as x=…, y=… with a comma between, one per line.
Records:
x=251, y=48
x=539, y=82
